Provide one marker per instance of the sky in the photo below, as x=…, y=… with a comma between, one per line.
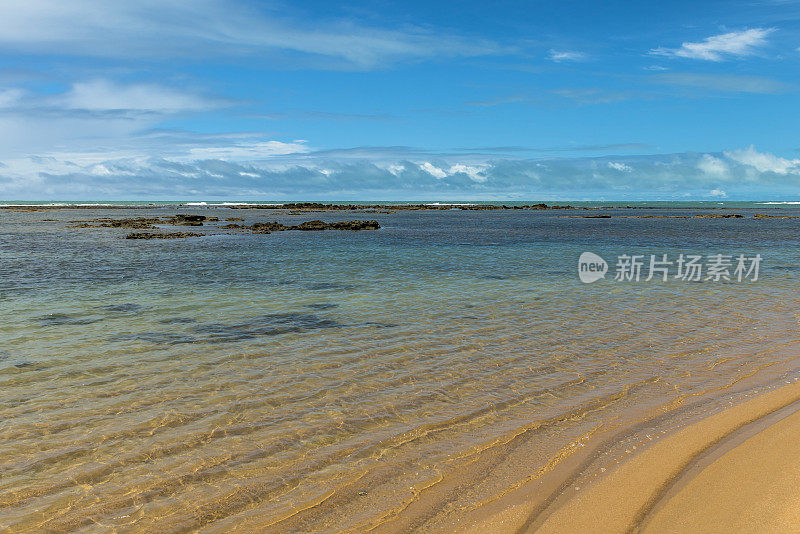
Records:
x=381, y=100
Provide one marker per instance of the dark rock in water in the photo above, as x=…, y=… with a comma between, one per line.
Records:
x=312, y=225
x=155, y=337
x=267, y=325
x=138, y=223
x=381, y=325
x=178, y=320
x=324, y=306
x=354, y=225
x=231, y=219
x=145, y=223
x=327, y=285
x=129, y=307
x=152, y=235
x=343, y=225
x=23, y=365
x=719, y=216
x=58, y=319
x=190, y=220
x=268, y=227
x=265, y=228
x=187, y=220
x=493, y=277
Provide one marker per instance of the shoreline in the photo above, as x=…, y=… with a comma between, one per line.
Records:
x=731, y=470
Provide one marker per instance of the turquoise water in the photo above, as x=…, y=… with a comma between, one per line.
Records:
x=314, y=381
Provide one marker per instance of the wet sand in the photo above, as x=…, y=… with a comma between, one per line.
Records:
x=735, y=471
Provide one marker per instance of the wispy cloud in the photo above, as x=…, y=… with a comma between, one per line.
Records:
x=764, y=161
x=565, y=55
x=100, y=95
x=99, y=113
x=720, y=47
x=724, y=83
x=159, y=29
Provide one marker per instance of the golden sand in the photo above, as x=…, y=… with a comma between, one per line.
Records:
x=735, y=471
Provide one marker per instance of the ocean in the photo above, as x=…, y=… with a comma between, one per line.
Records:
x=334, y=380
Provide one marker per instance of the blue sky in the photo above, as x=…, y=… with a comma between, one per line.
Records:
x=566, y=100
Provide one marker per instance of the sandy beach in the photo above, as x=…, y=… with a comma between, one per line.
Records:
x=734, y=471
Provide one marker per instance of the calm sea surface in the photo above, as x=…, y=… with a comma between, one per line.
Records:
x=323, y=381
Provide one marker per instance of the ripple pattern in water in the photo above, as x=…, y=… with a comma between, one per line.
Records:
x=319, y=381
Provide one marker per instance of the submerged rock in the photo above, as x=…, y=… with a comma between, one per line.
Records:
x=322, y=306
x=58, y=319
x=125, y=308
x=766, y=216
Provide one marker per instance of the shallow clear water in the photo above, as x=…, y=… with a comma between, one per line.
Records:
x=313, y=381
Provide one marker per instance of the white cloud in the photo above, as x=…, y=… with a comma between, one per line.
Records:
x=764, y=161
x=712, y=166
x=433, y=170
x=101, y=95
x=396, y=169
x=619, y=166
x=565, y=55
x=719, y=47
x=95, y=114
x=247, y=151
x=168, y=169
x=473, y=171
x=185, y=28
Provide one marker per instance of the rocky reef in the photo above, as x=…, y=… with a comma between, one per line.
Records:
x=146, y=223
x=190, y=220
x=161, y=235
x=268, y=227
